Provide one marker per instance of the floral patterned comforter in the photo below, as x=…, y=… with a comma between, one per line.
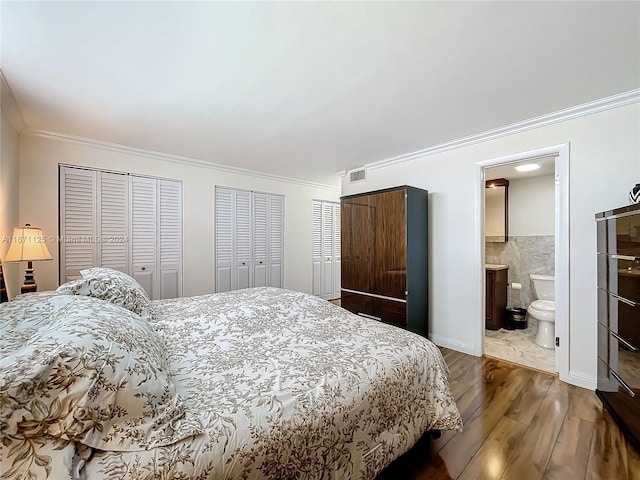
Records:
x=285, y=385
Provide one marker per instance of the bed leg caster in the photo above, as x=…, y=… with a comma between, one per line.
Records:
x=435, y=434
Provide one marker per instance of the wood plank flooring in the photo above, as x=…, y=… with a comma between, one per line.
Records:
x=519, y=424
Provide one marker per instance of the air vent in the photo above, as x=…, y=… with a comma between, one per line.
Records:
x=357, y=175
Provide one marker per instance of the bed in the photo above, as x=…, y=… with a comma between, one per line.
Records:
x=262, y=383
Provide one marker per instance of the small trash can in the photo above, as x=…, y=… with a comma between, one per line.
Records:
x=516, y=318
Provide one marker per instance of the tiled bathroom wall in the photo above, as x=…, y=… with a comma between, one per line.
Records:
x=523, y=255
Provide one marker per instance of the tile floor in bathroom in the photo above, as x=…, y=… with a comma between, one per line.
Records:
x=518, y=346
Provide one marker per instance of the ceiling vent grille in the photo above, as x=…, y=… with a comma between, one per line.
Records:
x=357, y=175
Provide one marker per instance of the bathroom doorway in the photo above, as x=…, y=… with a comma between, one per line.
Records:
x=519, y=242
x=535, y=242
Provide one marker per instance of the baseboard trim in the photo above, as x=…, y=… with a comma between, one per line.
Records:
x=453, y=344
x=580, y=379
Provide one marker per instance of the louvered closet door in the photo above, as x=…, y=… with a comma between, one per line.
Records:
x=113, y=210
x=327, y=250
x=276, y=241
x=260, y=239
x=242, y=230
x=144, y=234
x=317, y=248
x=77, y=222
x=170, y=197
x=224, y=253
x=336, y=251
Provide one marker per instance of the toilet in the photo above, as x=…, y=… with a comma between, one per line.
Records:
x=544, y=309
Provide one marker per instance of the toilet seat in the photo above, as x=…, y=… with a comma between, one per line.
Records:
x=543, y=310
x=544, y=305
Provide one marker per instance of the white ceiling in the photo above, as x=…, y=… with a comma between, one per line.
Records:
x=307, y=89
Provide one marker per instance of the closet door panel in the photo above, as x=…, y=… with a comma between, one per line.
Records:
x=144, y=233
x=260, y=239
x=276, y=241
x=170, y=216
x=389, y=241
x=224, y=251
x=327, y=250
x=243, y=239
x=78, y=226
x=113, y=209
x=316, y=248
x=337, y=267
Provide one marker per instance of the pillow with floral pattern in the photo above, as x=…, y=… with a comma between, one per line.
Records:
x=113, y=286
x=96, y=374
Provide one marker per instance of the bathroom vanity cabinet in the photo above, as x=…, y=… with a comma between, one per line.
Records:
x=384, y=256
x=496, y=296
x=618, y=253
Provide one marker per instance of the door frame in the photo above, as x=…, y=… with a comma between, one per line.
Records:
x=562, y=291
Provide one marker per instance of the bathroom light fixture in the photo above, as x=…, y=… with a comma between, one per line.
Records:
x=527, y=167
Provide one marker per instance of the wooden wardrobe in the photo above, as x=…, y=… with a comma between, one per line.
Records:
x=384, y=256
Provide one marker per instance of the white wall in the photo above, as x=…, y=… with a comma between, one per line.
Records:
x=39, y=159
x=604, y=165
x=9, y=207
x=532, y=206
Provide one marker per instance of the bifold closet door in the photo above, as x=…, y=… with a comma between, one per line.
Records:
x=78, y=222
x=170, y=241
x=93, y=221
x=316, y=248
x=260, y=239
x=249, y=239
x=125, y=222
x=337, y=267
x=326, y=249
x=276, y=241
x=144, y=233
x=233, y=248
x=156, y=235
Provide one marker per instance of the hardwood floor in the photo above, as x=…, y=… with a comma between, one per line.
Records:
x=519, y=424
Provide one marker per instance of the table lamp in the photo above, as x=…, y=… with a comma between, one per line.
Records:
x=27, y=245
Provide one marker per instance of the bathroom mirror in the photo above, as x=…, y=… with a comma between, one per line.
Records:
x=496, y=210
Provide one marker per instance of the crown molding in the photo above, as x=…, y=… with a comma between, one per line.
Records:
x=10, y=105
x=607, y=103
x=115, y=147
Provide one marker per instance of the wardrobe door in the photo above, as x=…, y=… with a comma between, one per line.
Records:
x=389, y=242
x=276, y=241
x=170, y=219
x=113, y=214
x=260, y=239
x=355, y=243
x=242, y=239
x=78, y=222
x=144, y=233
x=224, y=251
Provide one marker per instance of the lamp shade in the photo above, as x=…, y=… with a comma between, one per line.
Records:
x=27, y=245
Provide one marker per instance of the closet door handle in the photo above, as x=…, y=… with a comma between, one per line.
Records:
x=143, y=268
x=624, y=342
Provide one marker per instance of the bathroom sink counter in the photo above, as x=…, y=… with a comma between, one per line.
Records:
x=495, y=266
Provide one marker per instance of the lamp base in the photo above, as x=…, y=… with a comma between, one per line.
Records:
x=30, y=284
x=28, y=288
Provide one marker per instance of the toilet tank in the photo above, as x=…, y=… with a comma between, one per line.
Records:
x=544, y=286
